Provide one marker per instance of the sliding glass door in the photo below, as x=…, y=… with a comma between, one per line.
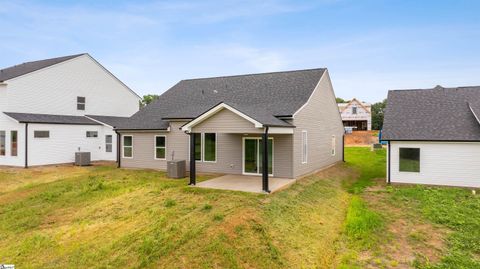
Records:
x=252, y=155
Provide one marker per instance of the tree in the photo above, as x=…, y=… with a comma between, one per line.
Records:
x=378, y=110
x=147, y=99
x=340, y=100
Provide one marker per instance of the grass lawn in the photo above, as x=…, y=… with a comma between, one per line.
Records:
x=345, y=216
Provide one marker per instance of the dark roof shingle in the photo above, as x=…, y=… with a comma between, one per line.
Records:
x=50, y=119
x=262, y=96
x=28, y=67
x=438, y=114
x=108, y=120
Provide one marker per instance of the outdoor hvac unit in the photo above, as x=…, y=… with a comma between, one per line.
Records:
x=82, y=158
x=176, y=169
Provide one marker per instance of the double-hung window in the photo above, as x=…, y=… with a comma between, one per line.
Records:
x=160, y=147
x=14, y=143
x=3, y=143
x=205, y=147
x=127, y=146
x=108, y=143
x=81, y=101
x=304, y=147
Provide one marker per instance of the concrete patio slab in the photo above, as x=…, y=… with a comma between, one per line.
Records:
x=245, y=183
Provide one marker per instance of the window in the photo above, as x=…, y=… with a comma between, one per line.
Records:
x=2, y=143
x=198, y=146
x=160, y=147
x=14, y=143
x=354, y=110
x=92, y=134
x=81, y=103
x=41, y=134
x=127, y=146
x=334, y=144
x=108, y=143
x=210, y=147
x=409, y=160
x=304, y=147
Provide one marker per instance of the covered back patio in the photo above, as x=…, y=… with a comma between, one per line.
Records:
x=241, y=142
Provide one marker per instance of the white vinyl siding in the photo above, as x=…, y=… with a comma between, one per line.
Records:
x=304, y=147
x=442, y=163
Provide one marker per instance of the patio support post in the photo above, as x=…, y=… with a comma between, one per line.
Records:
x=265, y=161
x=193, y=180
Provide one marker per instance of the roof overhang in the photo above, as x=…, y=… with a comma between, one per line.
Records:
x=214, y=110
x=477, y=115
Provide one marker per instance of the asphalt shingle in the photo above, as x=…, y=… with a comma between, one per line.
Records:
x=50, y=119
x=263, y=97
x=438, y=114
x=28, y=67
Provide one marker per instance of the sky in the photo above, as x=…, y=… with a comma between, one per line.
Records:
x=369, y=47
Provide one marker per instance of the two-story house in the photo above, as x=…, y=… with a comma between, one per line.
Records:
x=50, y=109
x=356, y=115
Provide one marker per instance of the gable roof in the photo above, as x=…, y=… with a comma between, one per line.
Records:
x=344, y=106
x=28, y=67
x=264, y=97
x=438, y=114
x=50, y=119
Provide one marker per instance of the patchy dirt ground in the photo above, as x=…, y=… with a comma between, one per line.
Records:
x=408, y=237
x=361, y=138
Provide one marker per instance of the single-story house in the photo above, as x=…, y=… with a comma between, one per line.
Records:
x=433, y=136
x=52, y=108
x=225, y=124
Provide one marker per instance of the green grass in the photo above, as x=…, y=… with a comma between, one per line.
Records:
x=454, y=208
x=103, y=217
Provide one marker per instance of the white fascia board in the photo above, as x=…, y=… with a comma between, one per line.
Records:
x=280, y=130
x=188, y=127
x=103, y=123
x=476, y=116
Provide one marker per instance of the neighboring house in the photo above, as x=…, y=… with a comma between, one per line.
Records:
x=221, y=122
x=434, y=136
x=43, y=108
x=356, y=115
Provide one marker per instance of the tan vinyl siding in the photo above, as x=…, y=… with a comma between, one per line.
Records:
x=321, y=119
x=225, y=121
x=229, y=152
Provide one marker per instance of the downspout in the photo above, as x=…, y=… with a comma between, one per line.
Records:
x=388, y=152
x=26, y=145
x=343, y=148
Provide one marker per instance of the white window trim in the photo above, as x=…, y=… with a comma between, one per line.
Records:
x=86, y=134
x=203, y=148
x=259, y=139
x=82, y=103
x=123, y=146
x=49, y=136
x=304, y=148
x=6, y=143
x=155, y=147
x=108, y=143
x=11, y=144
x=334, y=145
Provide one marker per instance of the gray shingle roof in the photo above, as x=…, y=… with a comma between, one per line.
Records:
x=28, y=67
x=440, y=114
x=50, y=119
x=108, y=120
x=261, y=96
